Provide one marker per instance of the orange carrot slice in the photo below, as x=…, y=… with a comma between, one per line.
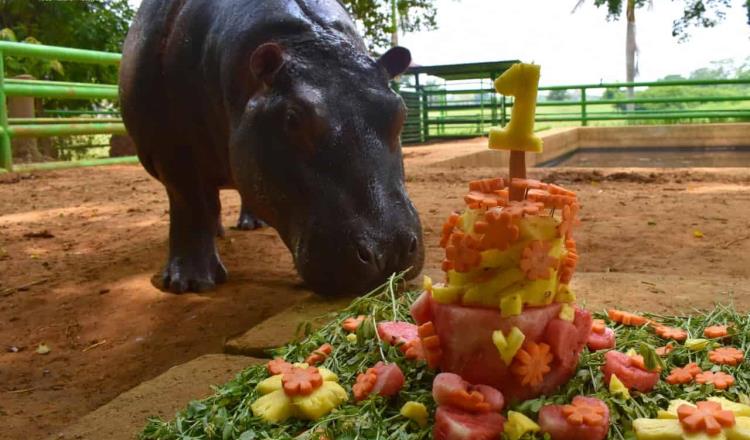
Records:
x=720, y=380
x=626, y=318
x=319, y=355
x=706, y=417
x=301, y=381
x=726, y=356
x=716, y=331
x=582, y=412
x=352, y=324
x=532, y=363
x=278, y=366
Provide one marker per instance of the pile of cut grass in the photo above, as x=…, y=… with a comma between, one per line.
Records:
x=227, y=415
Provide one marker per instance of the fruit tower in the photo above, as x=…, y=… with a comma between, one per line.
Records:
x=505, y=315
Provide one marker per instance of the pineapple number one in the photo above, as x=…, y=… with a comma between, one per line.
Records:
x=522, y=82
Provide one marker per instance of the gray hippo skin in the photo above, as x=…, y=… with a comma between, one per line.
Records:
x=280, y=100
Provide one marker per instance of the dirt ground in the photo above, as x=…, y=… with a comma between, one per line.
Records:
x=78, y=249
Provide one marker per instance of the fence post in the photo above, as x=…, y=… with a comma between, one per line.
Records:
x=6, y=155
x=503, y=113
x=584, y=120
x=425, y=116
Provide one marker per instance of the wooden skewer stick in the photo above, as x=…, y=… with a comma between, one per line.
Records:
x=517, y=171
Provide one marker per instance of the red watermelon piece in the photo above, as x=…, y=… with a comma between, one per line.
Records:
x=390, y=379
x=472, y=355
x=601, y=341
x=629, y=372
x=397, y=333
x=454, y=424
x=554, y=422
x=449, y=389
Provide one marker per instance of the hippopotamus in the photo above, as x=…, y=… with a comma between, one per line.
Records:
x=280, y=100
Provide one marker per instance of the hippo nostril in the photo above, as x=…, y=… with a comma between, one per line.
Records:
x=413, y=245
x=365, y=254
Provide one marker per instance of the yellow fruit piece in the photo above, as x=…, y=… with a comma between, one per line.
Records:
x=458, y=278
x=518, y=425
x=741, y=429
x=328, y=375
x=739, y=409
x=320, y=402
x=539, y=228
x=535, y=293
x=415, y=411
x=488, y=294
x=696, y=344
x=657, y=429
x=511, y=305
x=467, y=219
x=617, y=388
x=631, y=352
x=427, y=283
x=565, y=294
x=270, y=385
x=495, y=258
x=508, y=345
x=697, y=234
x=274, y=407
x=567, y=313
x=522, y=82
x=671, y=412
x=447, y=294
x=352, y=338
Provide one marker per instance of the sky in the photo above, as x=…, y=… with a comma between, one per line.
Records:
x=574, y=48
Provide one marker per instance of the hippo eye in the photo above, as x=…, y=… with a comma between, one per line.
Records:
x=293, y=120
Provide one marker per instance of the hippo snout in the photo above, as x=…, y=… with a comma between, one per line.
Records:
x=353, y=264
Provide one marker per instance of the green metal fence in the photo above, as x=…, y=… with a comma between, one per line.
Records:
x=459, y=110
x=60, y=126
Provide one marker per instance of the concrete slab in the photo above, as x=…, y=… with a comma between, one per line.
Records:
x=125, y=416
x=283, y=327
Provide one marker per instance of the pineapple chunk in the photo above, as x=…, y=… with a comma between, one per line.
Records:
x=617, y=388
x=511, y=305
x=459, y=278
x=274, y=407
x=518, y=425
x=738, y=409
x=467, y=219
x=657, y=429
x=352, y=338
x=539, y=228
x=508, y=345
x=741, y=430
x=488, y=294
x=536, y=293
x=565, y=294
x=415, y=411
x=427, y=283
x=567, y=313
x=521, y=81
x=328, y=375
x=320, y=402
x=270, y=385
x=495, y=258
x=671, y=412
x=447, y=294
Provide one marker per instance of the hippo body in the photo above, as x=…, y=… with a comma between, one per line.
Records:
x=279, y=100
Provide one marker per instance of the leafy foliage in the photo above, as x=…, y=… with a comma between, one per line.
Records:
x=226, y=414
x=93, y=24
x=374, y=18
x=696, y=13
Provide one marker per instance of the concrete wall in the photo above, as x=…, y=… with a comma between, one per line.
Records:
x=560, y=141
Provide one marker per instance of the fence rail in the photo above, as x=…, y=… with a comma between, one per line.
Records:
x=469, y=111
x=42, y=127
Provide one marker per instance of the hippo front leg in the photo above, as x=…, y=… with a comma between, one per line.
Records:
x=194, y=264
x=248, y=221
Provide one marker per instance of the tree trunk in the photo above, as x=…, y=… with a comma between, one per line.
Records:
x=24, y=149
x=630, y=51
x=394, y=24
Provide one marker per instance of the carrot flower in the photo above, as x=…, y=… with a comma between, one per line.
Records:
x=448, y=227
x=716, y=331
x=719, y=380
x=666, y=332
x=726, y=356
x=706, y=417
x=498, y=229
x=462, y=254
x=683, y=375
x=301, y=381
x=536, y=262
x=532, y=363
x=582, y=412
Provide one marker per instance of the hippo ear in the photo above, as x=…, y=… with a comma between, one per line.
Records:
x=395, y=61
x=266, y=61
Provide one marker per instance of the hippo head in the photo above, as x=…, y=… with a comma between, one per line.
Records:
x=317, y=154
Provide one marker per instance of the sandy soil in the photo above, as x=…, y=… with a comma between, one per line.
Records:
x=78, y=249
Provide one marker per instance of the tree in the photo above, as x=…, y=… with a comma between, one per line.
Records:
x=375, y=18
x=702, y=13
x=91, y=24
x=558, y=95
